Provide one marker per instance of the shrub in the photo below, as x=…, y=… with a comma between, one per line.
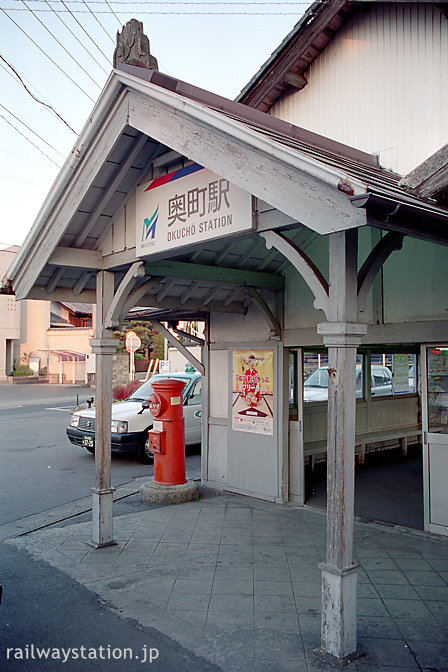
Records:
x=22, y=370
x=121, y=392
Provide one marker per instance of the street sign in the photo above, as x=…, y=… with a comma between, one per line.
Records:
x=133, y=342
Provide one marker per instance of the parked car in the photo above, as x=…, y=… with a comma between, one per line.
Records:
x=315, y=387
x=131, y=420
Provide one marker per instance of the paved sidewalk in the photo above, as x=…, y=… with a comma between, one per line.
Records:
x=236, y=581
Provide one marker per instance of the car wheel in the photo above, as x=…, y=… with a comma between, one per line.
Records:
x=143, y=453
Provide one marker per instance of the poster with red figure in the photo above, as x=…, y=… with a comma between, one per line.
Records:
x=253, y=391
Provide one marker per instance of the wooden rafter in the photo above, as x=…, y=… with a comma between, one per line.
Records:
x=215, y=274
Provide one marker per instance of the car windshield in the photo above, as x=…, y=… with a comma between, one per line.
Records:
x=319, y=378
x=144, y=391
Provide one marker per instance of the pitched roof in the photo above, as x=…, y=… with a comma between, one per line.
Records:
x=285, y=68
x=140, y=116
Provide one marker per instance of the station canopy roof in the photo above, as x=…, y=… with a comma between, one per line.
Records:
x=314, y=186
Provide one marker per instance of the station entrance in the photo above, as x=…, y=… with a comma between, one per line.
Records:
x=389, y=474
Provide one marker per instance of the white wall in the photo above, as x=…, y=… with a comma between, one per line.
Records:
x=241, y=461
x=381, y=85
x=9, y=318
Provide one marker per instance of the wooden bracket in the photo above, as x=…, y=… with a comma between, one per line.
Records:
x=303, y=264
x=137, y=270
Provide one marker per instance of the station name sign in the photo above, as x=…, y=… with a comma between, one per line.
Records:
x=188, y=206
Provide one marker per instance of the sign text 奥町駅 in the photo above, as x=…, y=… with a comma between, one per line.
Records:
x=187, y=206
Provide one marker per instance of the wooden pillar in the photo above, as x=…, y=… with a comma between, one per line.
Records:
x=341, y=334
x=104, y=347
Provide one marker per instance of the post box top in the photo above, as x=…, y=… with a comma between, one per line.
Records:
x=169, y=384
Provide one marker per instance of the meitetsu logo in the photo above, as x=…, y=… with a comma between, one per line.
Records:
x=149, y=229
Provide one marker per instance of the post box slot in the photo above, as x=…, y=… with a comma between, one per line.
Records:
x=157, y=441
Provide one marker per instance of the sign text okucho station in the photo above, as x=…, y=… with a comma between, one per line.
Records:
x=188, y=206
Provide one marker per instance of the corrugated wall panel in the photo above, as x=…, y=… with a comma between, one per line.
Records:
x=381, y=85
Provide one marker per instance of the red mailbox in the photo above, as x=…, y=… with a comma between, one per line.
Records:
x=167, y=438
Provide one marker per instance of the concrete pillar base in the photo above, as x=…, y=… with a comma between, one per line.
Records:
x=339, y=614
x=338, y=662
x=102, y=517
x=169, y=494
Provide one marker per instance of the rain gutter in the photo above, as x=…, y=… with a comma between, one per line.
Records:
x=414, y=219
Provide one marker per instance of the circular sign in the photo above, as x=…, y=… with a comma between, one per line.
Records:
x=133, y=342
x=155, y=404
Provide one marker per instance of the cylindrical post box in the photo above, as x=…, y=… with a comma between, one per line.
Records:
x=168, y=434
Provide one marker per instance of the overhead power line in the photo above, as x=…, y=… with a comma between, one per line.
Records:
x=61, y=45
x=157, y=13
x=75, y=36
x=108, y=4
x=47, y=56
x=180, y=2
x=85, y=31
x=30, y=129
x=41, y=102
x=30, y=141
x=98, y=21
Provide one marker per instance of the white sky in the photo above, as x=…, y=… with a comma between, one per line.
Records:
x=214, y=51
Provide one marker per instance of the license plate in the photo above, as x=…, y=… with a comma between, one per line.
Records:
x=88, y=441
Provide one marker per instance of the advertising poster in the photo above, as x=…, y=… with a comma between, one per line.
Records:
x=253, y=391
x=401, y=374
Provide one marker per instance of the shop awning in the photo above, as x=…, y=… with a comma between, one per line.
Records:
x=66, y=355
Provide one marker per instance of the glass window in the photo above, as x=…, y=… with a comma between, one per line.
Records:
x=437, y=360
x=390, y=374
x=196, y=395
x=315, y=386
x=393, y=373
x=292, y=378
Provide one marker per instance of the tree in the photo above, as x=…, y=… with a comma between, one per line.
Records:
x=147, y=334
x=158, y=351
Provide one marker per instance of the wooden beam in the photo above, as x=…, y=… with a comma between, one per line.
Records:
x=177, y=344
x=232, y=296
x=135, y=296
x=293, y=183
x=195, y=305
x=81, y=283
x=54, y=280
x=303, y=264
x=137, y=270
x=113, y=186
x=266, y=312
x=214, y=274
x=189, y=291
x=430, y=177
x=392, y=241
x=73, y=257
x=61, y=294
x=70, y=199
x=116, y=259
x=297, y=81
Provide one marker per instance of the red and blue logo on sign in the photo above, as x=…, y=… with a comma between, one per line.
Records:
x=175, y=175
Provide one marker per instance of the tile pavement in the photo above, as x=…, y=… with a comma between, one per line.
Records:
x=237, y=581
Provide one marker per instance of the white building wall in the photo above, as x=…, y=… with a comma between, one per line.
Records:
x=35, y=322
x=230, y=452
x=381, y=85
x=9, y=318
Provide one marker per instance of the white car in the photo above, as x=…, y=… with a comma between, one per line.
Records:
x=131, y=420
x=315, y=387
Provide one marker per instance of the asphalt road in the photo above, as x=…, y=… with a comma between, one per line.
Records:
x=44, y=612
x=40, y=468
